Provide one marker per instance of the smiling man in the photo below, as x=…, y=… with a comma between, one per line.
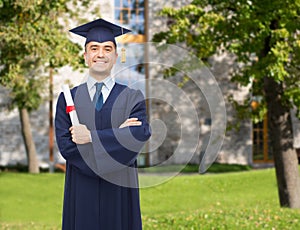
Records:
x=101, y=183
x=100, y=58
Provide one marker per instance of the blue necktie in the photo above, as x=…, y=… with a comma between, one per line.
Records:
x=98, y=97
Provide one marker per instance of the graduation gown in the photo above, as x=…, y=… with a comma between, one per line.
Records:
x=101, y=183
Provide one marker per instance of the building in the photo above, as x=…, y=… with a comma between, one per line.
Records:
x=144, y=70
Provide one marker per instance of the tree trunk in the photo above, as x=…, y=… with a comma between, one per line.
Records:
x=51, y=128
x=281, y=136
x=33, y=164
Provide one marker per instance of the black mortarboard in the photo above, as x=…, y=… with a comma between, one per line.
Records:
x=100, y=31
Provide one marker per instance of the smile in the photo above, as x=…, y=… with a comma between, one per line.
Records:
x=100, y=62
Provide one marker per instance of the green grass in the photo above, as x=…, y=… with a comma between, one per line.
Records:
x=240, y=200
x=192, y=168
x=28, y=200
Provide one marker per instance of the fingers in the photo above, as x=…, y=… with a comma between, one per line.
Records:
x=131, y=122
x=72, y=131
x=80, y=134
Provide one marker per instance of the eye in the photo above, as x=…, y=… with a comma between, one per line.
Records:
x=94, y=48
x=108, y=49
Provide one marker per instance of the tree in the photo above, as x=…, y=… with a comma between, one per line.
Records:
x=265, y=38
x=32, y=41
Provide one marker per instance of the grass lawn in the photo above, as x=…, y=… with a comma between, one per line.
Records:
x=239, y=200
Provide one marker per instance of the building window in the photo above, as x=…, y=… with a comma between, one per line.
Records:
x=131, y=14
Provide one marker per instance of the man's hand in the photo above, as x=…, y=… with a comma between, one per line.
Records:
x=80, y=134
x=131, y=122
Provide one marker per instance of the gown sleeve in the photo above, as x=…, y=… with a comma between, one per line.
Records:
x=66, y=146
x=118, y=148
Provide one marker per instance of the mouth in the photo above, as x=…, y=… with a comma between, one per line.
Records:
x=100, y=61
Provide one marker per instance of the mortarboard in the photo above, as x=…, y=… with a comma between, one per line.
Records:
x=100, y=31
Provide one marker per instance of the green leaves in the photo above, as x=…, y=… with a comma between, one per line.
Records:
x=263, y=35
x=32, y=40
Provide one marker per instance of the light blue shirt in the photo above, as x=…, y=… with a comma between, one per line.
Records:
x=109, y=83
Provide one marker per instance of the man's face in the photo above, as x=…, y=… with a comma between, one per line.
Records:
x=100, y=57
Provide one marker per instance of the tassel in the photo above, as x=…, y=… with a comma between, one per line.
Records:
x=123, y=55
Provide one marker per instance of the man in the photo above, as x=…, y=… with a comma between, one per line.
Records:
x=101, y=187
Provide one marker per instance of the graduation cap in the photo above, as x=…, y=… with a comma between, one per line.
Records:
x=100, y=31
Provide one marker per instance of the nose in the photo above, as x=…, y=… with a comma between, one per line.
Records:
x=101, y=52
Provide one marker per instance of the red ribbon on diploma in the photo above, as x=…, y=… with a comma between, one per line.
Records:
x=70, y=108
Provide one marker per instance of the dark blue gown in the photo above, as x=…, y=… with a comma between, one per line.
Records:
x=101, y=191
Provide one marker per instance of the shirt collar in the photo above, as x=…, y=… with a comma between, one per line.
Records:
x=108, y=82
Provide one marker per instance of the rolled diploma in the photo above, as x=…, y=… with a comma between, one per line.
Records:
x=70, y=102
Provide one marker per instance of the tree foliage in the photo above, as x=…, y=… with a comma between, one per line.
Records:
x=33, y=39
x=243, y=27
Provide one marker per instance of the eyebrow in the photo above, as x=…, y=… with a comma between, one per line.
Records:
x=105, y=46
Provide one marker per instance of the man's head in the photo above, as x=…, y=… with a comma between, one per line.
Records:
x=100, y=57
x=100, y=45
